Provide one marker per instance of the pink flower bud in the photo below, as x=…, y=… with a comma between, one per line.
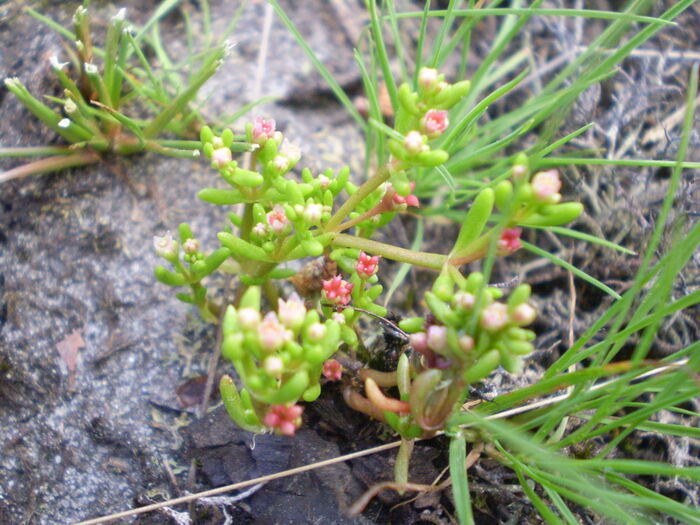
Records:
x=466, y=342
x=337, y=291
x=435, y=122
x=332, y=370
x=284, y=419
x=464, y=300
x=509, y=241
x=263, y=129
x=338, y=317
x=277, y=219
x=324, y=181
x=221, y=157
x=413, y=142
x=523, y=314
x=366, y=266
x=291, y=312
x=546, y=186
x=437, y=338
x=419, y=341
x=494, y=317
x=394, y=201
x=271, y=333
x=191, y=246
x=166, y=246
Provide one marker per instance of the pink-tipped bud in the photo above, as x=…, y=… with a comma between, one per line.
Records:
x=435, y=122
x=428, y=78
x=221, y=157
x=519, y=171
x=437, y=338
x=260, y=229
x=419, y=341
x=523, y=314
x=281, y=163
x=337, y=291
x=166, y=246
x=332, y=370
x=509, y=241
x=464, y=300
x=313, y=213
x=338, y=317
x=271, y=333
x=546, y=186
x=191, y=246
x=248, y=318
x=414, y=143
x=291, y=312
x=366, y=265
x=324, y=181
x=263, y=129
x=277, y=219
x=494, y=317
x=466, y=342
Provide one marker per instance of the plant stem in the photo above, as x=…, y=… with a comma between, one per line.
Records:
x=424, y=259
x=50, y=164
x=36, y=151
x=356, y=198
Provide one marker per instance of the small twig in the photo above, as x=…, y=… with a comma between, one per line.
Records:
x=357, y=507
x=214, y=358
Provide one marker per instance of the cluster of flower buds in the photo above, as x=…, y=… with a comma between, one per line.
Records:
x=422, y=116
x=190, y=266
x=279, y=358
x=361, y=291
x=281, y=206
x=473, y=330
x=535, y=202
x=525, y=203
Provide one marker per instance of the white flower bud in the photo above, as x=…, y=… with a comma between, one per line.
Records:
x=316, y=332
x=273, y=366
x=221, y=157
x=248, y=318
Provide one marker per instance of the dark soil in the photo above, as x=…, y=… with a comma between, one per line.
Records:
x=76, y=256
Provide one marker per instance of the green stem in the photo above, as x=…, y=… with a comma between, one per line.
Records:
x=247, y=222
x=424, y=259
x=50, y=164
x=36, y=151
x=356, y=198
